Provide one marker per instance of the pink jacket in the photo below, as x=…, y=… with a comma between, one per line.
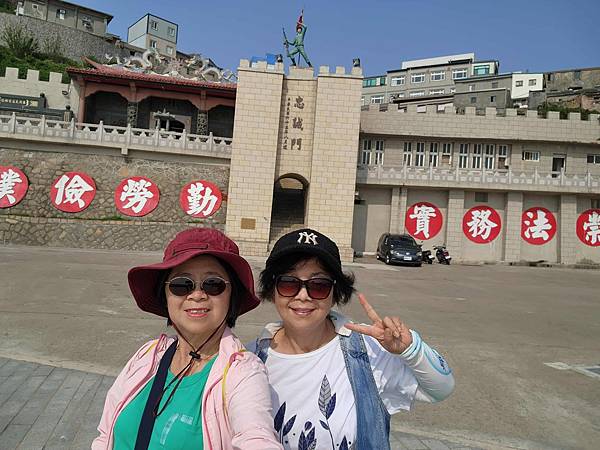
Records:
x=246, y=423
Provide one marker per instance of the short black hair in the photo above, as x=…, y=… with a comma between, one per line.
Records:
x=237, y=292
x=342, y=290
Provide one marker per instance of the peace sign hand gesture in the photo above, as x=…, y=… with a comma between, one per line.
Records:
x=391, y=333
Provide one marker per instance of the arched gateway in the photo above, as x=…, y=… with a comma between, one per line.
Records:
x=289, y=205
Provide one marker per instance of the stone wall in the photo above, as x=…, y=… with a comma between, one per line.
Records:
x=35, y=221
x=75, y=43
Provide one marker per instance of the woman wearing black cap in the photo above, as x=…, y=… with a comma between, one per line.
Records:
x=334, y=384
x=199, y=389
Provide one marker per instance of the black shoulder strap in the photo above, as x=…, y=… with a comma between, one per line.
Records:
x=148, y=417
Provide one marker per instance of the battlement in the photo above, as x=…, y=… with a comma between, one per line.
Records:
x=295, y=72
x=57, y=93
x=494, y=124
x=488, y=113
x=12, y=74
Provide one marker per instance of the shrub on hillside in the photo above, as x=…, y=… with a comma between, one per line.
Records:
x=19, y=40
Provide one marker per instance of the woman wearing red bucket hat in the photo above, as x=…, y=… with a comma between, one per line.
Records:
x=199, y=389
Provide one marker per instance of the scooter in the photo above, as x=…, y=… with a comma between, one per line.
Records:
x=442, y=254
x=426, y=256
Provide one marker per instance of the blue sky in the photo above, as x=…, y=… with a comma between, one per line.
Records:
x=531, y=35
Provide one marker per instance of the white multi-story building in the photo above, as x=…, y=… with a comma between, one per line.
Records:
x=154, y=32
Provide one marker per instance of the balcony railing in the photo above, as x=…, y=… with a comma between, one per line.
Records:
x=462, y=177
x=42, y=129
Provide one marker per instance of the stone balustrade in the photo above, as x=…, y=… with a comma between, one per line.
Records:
x=479, y=179
x=125, y=138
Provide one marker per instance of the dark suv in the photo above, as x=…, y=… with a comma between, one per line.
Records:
x=399, y=248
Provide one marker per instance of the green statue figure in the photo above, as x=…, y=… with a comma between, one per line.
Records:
x=297, y=43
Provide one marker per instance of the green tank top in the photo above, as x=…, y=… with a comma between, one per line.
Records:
x=178, y=427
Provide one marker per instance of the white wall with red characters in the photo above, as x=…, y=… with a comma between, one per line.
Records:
x=586, y=251
x=440, y=200
x=494, y=250
x=548, y=251
x=536, y=230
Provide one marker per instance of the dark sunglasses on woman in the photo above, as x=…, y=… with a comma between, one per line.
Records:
x=317, y=288
x=182, y=286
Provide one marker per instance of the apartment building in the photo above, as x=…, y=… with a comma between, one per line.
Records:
x=68, y=14
x=154, y=32
x=423, y=79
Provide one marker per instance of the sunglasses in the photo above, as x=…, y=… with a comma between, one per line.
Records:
x=183, y=286
x=317, y=288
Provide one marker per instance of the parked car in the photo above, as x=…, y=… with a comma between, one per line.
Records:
x=399, y=248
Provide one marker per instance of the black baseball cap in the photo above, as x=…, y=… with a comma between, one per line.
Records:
x=311, y=243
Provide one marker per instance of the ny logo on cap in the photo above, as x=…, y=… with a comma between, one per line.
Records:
x=307, y=238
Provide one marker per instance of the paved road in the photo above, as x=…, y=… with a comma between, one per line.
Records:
x=497, y=325
x=45, y=407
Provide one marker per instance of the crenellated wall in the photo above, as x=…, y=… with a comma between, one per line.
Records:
x=32, y=86
x=450, y=124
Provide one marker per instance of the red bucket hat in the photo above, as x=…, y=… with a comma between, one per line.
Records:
x=186, y=245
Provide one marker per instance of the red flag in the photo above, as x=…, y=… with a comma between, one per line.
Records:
x=300, y=20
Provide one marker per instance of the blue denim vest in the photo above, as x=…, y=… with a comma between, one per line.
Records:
x=373, y=419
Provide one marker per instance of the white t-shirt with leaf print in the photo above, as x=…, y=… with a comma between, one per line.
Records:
x=312, y=397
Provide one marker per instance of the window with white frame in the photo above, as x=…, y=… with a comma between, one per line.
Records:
x=362, y=100
x=61, y=14
x=376, y=99
x=171, y=31
x=169, y=50
x=407, y=155
x=438, y=76
x=457, y=74
x=471, y=87
x=490, y=157
x=532, y=82
x=417, y=77
x=154, y=24
x=447, y=148
x=420, y=155
x=530, y=156
x=481, y=70
x=397, y=81
x=593, y=159
x=379, y=150
x=436, y=92
x=433, y=154
x=519, y=83
x=502, y=156
x=366, y=152
x=477, y=151
x=416, y=94
x=463, y=156
x=153, y=43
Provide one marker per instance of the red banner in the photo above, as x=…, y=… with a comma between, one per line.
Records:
x=423, y=220
x=588, y=227
x=538, y=226
x=200, y=199
x=482, y=224
x=72, y=192
x=136, y=196
x=13, y=186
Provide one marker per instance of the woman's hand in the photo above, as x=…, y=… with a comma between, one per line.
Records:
x=391, y=333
